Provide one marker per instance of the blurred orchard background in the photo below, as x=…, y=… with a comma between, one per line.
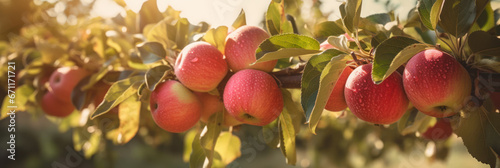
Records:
x=339, y=143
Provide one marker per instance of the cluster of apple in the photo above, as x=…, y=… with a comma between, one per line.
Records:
x=434, y=82
x=61, y=83
x=57, y=101
x=249, y=96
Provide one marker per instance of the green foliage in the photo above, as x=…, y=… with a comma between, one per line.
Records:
x=135, y=53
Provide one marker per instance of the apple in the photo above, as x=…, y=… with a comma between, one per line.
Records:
x=63, y=81
x=210, y=104
x=240, y=49
x=336, y=102
x=440, y=131
x=253, y=97
x=436, y=83
x=53, y=106
x=384, y=103
x=200, y=67
x=174, y=107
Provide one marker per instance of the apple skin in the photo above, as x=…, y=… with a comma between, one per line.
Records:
x=379, y=104
x=63, y=81
x=440, y=131
x=210, y=104
x=336, y=102
x=53, y=106
x=200, y=67
x=174, y=107
x=240, y=49
x=253, y=97
x=436, y=83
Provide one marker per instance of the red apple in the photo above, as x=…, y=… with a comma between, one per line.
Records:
x=200, y=67
x=440, y=131
x=53, y=106
x=253, y=97
x=436, y=83
x=174, y=107
x=210, y=104
x=63, y=81
x=336, y=102
x=384, y=103
x=240, y=49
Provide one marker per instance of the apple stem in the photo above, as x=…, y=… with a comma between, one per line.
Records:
x=355, y=58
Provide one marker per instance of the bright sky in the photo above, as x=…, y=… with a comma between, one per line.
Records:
x=224, y=12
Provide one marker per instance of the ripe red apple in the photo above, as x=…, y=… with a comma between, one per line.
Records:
x=253, y=97
x=436, y=83
x=336, y=102
x=200, y=67
x=174, y=107
x=384, y=103
x=63, y=81
x=240, y=49
x=440, y=131
x=210, y=104
x=53, y=106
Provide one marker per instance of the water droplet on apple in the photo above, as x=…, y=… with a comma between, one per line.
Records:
x=195, y=59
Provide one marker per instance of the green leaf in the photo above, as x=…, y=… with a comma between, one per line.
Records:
x=287, y=137
x=79, y=97
x=340, y=42
x=480, y=132
x=286, y=44
x=228, y=147
x=117, y=93
x=326, y=29
x=380, y=18
x=198, y=156
x=424, y=10
x=482, y=43
x=188, y=144
x=216, y=37
x=436, y=13
x=486, y=19
x=16, y=100
x=457, y=16
x=240, y=20
x=151, y=52
x=96, y=77
x=311, y=77
x=351, y=15
x=295, y=112
x=270, y=134
x=391, y=54
x=327, y=81
x=412, y=121
x=149, y=13
x=276, y=21
x=210, y=134
x=50, y=51
x=155, y=75
x=128, y=114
